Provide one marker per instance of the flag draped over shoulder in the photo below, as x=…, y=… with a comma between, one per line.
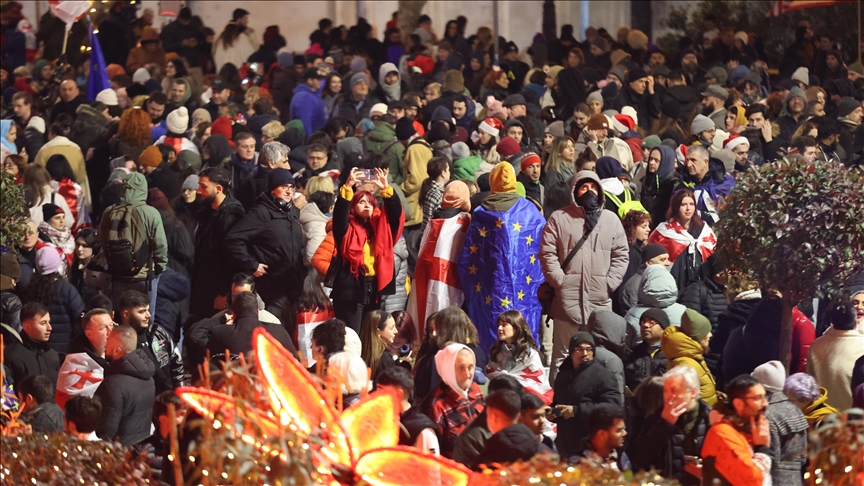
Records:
x=79, y=375
x=98, y=79
x=499, y=268
x=436, y=277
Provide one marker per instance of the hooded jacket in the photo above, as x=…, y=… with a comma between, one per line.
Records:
x=389, y=92
x=514, y=443
x=136, y=193
x=399, y=299
x=658, y=186
x=73, y=153
x=314, y=224
x=127, y=392
x=657, y=289
x=378, y=139
x=308, y=107
x=91, y=129
x=596, y=270
x=173, y=288
x=451, y=407
x=787, y=124
x=681, y=350
x=611, y=335
x=414, y=162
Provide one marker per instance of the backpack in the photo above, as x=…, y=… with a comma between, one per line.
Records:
x=386, y=148
x=627, y=205
x=128, y=249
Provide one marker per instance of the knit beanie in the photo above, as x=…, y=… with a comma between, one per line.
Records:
x=358, y=64
x=222, y=126
x=507, y=147
x=191, y=183
x=772, y=375
x=651, y=142
x=178, y=120
x=618, y=72
x=141, y=76
x=502, y=178
x=9, y=266
x=657, y=315
x=600, y=43
x=460, y=150
x=156, y=198
x=618, y=56
x=598, y=122
x=358, y=78
x=379, y=108
x=108, y=96
x=202, y=115
x=530, y=159
x=695, y=325
x=279, y=177
x=48, y=260
x=150, y=157
x=554, y=71
x=50, y=210
x=595, y=96
x=404, y=129
x=857, y=67
x=556, y=128
x=847, y=105
x=457, y=195
x=653, y=250
x=636, y=74
x=700, y=124
x=608, y=167
x=579, y=338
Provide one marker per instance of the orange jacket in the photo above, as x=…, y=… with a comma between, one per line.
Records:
x=728, y=457
x=324, y=254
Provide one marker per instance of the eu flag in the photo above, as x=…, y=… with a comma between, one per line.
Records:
x=500, y=269
x=98, y=79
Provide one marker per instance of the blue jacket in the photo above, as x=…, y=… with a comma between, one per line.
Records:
x=308, y=107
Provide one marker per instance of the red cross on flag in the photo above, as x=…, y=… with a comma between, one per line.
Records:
x=79, y=375
x=69, y=11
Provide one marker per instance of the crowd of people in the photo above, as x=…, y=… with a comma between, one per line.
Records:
x=517, y=243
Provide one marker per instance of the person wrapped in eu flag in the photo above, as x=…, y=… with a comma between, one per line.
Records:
x=499, y=267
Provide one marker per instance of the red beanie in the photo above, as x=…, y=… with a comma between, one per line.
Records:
x=530, y=159
x=222, y=126
x=508, y=146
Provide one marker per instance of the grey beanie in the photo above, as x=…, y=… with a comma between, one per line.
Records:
x=556, y=128
x=358, y=64
x=460, y=150
x=358, y=78
x=847, y=105
x=595, y=96
x=191, y=182
x=700, y=124
x=618, y=72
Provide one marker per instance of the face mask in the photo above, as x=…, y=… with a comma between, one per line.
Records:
x=589, y=201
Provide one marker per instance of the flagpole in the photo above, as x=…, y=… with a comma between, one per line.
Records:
x=65, y=41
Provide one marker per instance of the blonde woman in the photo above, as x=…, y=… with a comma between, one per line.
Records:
x=559, y=166
x=377, y=333
x=320, y=183
x=271, y=131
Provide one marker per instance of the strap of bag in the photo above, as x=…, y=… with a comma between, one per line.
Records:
x=575, y=249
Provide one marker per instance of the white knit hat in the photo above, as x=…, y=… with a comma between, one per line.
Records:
x=772, y=375
x=178, y=120
x=378, y=108
x=141, y=76
x=802, y=74
x=108, y=96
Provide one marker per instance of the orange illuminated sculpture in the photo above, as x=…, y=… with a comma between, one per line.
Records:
x=363, y=438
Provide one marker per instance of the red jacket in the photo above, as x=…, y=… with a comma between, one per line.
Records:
x=803, y=335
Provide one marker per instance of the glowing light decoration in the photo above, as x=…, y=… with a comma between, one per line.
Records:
x=363, y=438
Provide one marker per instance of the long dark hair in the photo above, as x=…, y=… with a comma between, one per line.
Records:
x=523, y=341
x=675, y=207
x=230, y=34
x=90, y=237
x=435, y=168
x=313, y=298
x=40, y=288
x=58, y=166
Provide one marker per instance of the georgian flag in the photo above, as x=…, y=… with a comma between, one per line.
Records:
x=306, y=323
x=79, y=375
x=436, y=283
x=69, y=11
x=529, y=372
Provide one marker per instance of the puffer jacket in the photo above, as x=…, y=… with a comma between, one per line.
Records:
x=682, y=350
x=65, y=313
x=597, y=269
x=314, y=224
x=127, y=392
x=417, y=156
x=610, y=337
x=324, y=255
x=398, y=301
x=657, y=289
x=173, y=288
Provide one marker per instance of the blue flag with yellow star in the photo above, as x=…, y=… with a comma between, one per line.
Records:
x=500, y=269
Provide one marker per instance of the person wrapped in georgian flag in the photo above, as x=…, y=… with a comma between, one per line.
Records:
x=80, y=374
x=436, y=282
x=515, y=354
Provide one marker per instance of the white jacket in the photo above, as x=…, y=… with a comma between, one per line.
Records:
x=831, y=360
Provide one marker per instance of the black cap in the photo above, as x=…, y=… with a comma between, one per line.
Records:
x=404, y=129
x=313, y=72
x=513, y=100
x=657, y=315
x=511, y=47
x=636, y=74
x=185, y=13
x=396, y=105
x=219, y=84
x=579, y=338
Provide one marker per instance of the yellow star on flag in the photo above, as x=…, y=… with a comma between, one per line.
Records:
x=520, y=294
x=473, y=249
x=499, y=223
x=483, y=232
x=533, y=259
x=517, y=226
x=528, y=279
x=529, y=240
x=472, y=269
x=505, y=302
x=478, y=287
x=488, y=300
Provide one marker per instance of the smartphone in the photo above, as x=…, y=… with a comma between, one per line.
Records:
x=240, y=118
x=367, y=175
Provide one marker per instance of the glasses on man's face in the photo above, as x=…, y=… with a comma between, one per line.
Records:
x=583, y=350
x=755, y=398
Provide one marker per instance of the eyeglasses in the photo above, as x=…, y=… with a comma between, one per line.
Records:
x=756, y=398
x=580, y=349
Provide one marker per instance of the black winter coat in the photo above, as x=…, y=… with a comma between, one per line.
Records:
x=65, y=313
x=237, y=338
x=348, y=108
x=249, y=188
x=647, y=105
x=656, y=196
x=173, y=288
x=662, y=446
x=27, y=260
x=270, y=235
x=181, y=248
x=46, y=418
x=127, y=393
x=708, y=298
x=641, y=365
x=583, y=388
x=346, y=286
x=755, y=343
x=514, y=443
x=31, y=358
x=10, y=309
x=164, y=179
x=212, y=275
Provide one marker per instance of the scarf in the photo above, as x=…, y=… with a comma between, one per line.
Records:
x=382, y=241
x=63, y=240
x=676, y=239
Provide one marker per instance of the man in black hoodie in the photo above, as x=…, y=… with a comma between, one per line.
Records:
x=416, y=430
x=127, y=391
x=510, y=441
x=236, y=338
